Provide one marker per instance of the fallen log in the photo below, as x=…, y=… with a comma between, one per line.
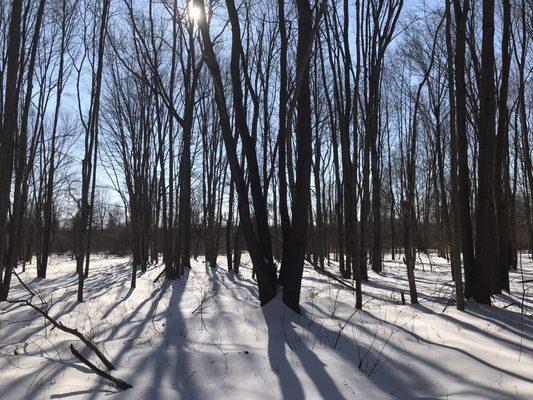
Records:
x=119, y=383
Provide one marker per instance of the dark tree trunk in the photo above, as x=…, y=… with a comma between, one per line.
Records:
x=456, y=227
x=88, y=163
x=467, y=243
x=259, y=246
x=48, y=203
x=300, y=203
x=7, y=140
x=486, y=250
x=502, y=159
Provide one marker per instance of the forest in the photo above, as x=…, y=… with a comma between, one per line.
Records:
x=295, y=199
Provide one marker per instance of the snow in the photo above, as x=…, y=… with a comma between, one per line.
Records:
x=205, y=337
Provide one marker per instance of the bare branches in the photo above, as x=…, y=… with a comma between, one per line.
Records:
x=119, y=383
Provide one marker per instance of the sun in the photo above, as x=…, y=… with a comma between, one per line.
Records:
x=194, y=12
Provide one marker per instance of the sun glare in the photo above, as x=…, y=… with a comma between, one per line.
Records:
x=194, y=12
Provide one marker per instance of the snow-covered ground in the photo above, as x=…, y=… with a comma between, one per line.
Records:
x=205, y=337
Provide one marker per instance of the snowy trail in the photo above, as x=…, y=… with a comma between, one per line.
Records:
x=205, y=337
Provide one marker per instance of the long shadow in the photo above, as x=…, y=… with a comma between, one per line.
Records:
x=46, y=371
x=212, y=272
x=290, y=385
x=153, y=360
x=461, y=351
x=94, y=284
x=327, y=314
x=391, y=372
x=172, y=356
x=117, y=303
x=170, y=360
x=398, y=286
x=481, y=390
x=518, y=301
x=464, y=325
x=67, y=282
x=242, y=282
x=134, y=332
x=479, y=312
x=315, y=369
x=50, y=371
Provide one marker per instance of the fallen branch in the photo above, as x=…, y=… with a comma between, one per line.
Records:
x=321, y=271
x=119, y=383
x=330, y=275
x=60, y=326
x=334, y=277
x=159, y=276
x=64, y=328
